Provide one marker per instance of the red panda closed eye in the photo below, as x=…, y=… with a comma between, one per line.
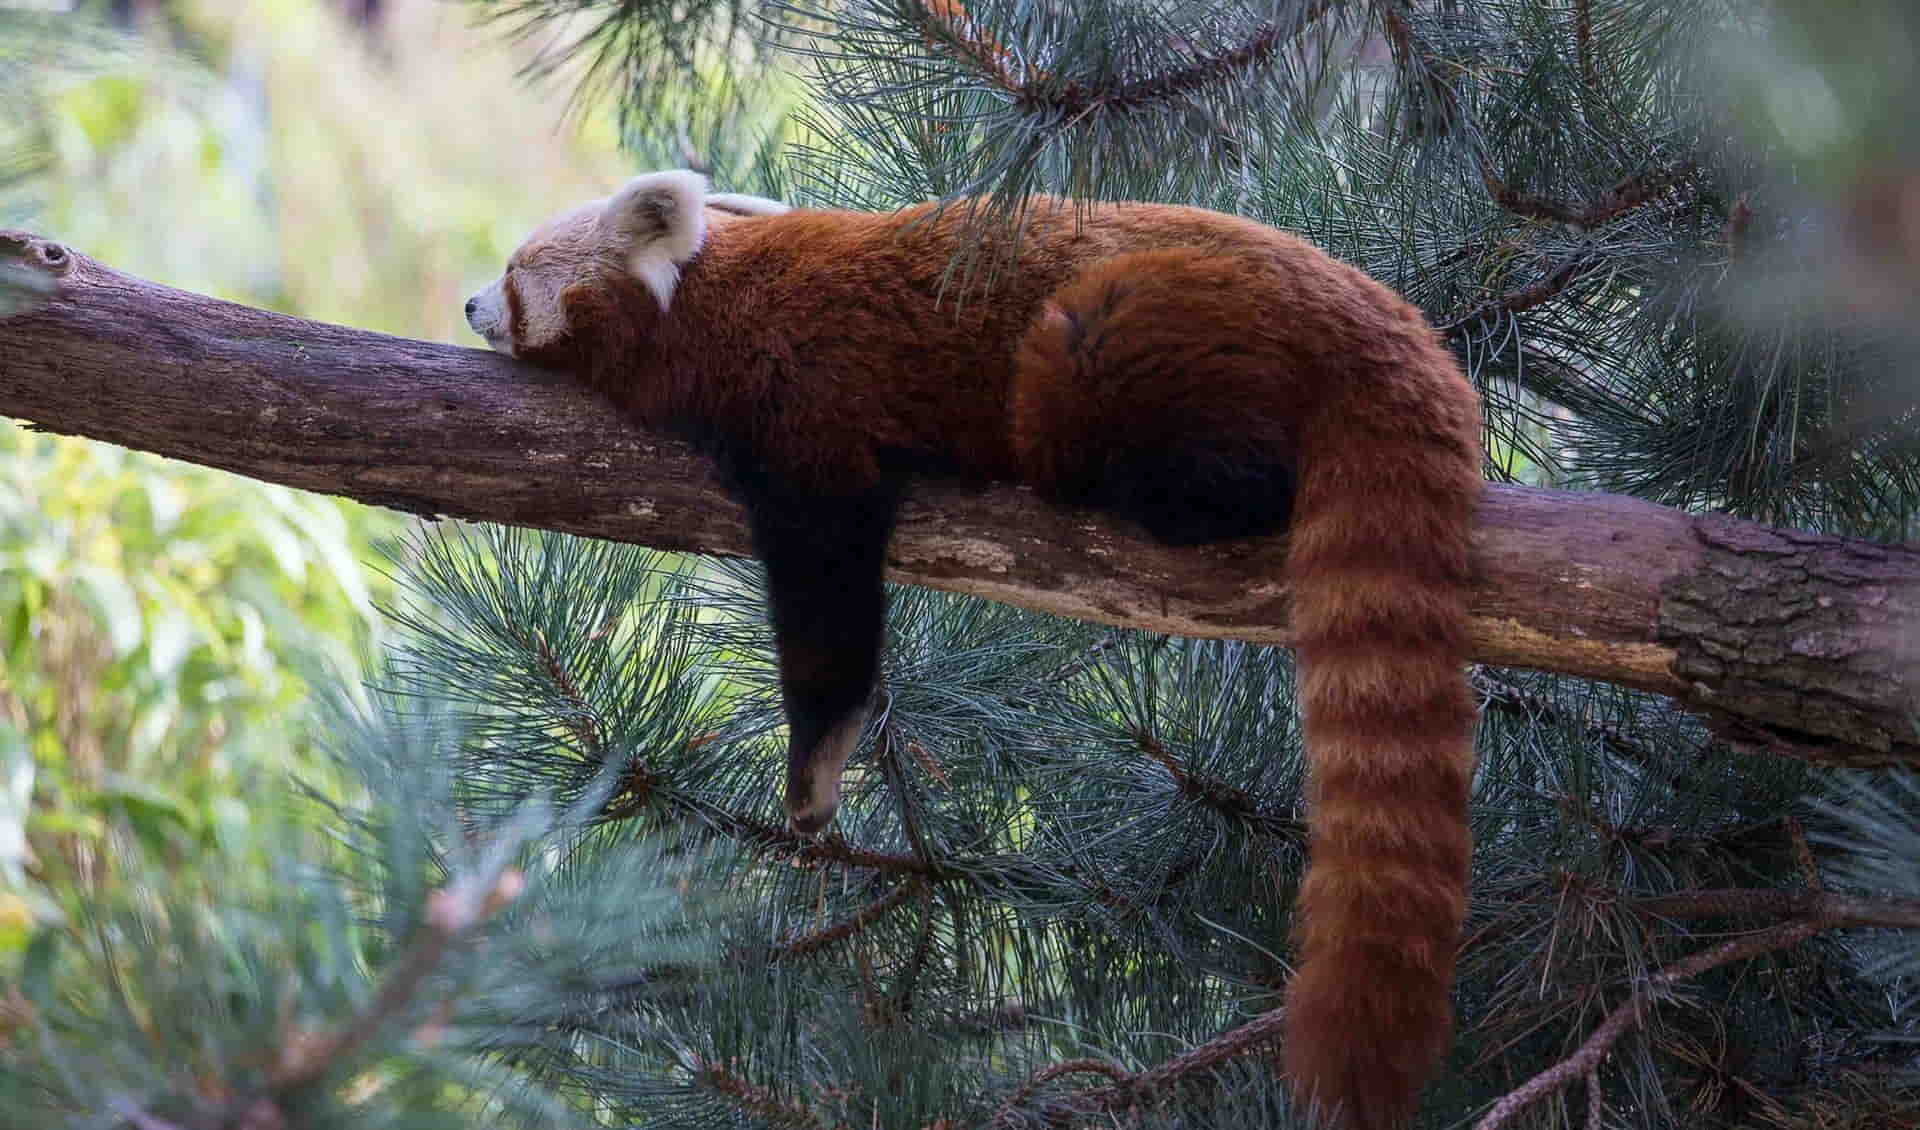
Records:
x=1201, y=374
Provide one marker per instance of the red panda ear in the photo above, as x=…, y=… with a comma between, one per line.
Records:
x=658, y=215
x=656, y=223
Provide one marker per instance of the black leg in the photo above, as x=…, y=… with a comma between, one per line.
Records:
x=824, y=558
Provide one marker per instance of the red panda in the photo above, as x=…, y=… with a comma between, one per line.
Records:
x=1201, y=374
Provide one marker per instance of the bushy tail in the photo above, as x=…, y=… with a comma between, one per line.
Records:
x=1127, y=398
x=1377, y=566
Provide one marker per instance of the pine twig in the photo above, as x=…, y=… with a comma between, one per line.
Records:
x=1505, y=695
x=1417, y=67
x=916, y=964
x=580, y=719
x=814, y=941
x=948, y=22
x=450, y=914
x=1129, y=1089
x=1228, y=800
x=140, y=1119
x=1234, y=1042
x=1586, y=1060
x=1829, y=909
x=757, y=1101
x=1626, y=195
x=1004, y=1115
x=1012, y=1016
x=888, y=755
x=1548, y=287
x=814, y=850
x=1583, y=41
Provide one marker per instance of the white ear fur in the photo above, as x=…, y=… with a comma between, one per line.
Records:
x=740, y=204
x=658, y=218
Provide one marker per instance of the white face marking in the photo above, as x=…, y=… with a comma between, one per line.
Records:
x=487, y=315
x=651, y=227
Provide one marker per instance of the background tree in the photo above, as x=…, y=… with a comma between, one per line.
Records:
x=1059, y=888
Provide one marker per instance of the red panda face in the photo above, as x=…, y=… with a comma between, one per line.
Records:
x=646, y=231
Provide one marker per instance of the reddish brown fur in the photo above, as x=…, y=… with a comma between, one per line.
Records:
x=1283, y=349
x=821, y=342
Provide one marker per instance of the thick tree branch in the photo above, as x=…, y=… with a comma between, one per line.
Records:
x=1787, y=641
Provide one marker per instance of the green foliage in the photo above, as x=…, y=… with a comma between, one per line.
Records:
x=153, y=623
x=1059, y=845
x=160, y=619
x=379, y=992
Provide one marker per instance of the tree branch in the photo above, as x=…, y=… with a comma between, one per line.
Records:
x=1786, y=641
x=1583, y=1063
x=949, y=23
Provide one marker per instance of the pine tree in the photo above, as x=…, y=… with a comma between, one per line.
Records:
x=1058, y=889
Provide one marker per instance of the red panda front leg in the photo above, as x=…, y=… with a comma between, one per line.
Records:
x=824, y=557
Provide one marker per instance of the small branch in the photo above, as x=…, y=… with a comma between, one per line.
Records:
x=1628, y=194
x=1040, y=1078
x=1503, y=694
x=895, y=774
x=917, y=963
x=581, y=719
x=1583, y=44
x=1586, y=1061
x=1013, y=1016
x=948, y=22
x=1129, y=1089
x=1551, y=285
x=757, y=1101
x=450, y=914
x=1234, y=1042
x=1832, y=911
x=824, y=849
x=1434, y=103
x=810, y=943
x=1228, y=800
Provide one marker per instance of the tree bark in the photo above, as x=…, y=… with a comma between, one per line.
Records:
x=1784, y=641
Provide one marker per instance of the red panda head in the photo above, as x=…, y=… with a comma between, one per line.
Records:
x=585, y=261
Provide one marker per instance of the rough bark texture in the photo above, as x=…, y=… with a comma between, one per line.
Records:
x=1782, y=634
x=1787, y=641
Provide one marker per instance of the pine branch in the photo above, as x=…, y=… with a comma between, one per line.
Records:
x=1628, y=194
x=450, y=915
x=829, y=848
x=1549, y=286
x=1501, y=693
x=1034, y=89
x=1232, y=802
x=1130, y=1089
x=1583, y=1063
x=753, y=1100
x=141, y=1120
x=810, y=943
x=1831, y=910
x=1005, y=1115
x=1583, y=40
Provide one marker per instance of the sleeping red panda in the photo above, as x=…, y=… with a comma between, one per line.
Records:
x=1203, y=375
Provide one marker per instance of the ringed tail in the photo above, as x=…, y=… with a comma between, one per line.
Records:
x=1377, y=563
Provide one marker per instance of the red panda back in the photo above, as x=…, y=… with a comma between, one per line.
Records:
x=1229, y=385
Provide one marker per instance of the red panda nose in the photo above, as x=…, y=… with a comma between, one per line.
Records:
x=472, y=305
